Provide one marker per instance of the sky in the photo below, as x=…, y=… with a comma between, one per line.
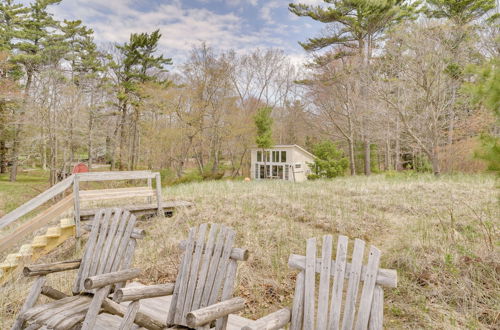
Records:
x=241, y=25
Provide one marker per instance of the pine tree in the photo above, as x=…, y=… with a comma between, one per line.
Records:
x=358, y=22
x=139, y=65
x=357, y=26
x=36, y=44
x=460, y=12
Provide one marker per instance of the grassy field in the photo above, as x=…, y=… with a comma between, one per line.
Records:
x=440, y=234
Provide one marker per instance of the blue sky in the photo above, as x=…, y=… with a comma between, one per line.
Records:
x=223, y=24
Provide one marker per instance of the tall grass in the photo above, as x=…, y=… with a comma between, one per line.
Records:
x=440, y=234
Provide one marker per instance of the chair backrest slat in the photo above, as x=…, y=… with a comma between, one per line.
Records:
x=360, y=310
x=353, y=285
x=207, y=256
x=324, y=283
x=309, y=286
x=338, y=282
x=184, y=274
x=206, y=275
x=191, y=286
x=366, y=299
x=109, y=246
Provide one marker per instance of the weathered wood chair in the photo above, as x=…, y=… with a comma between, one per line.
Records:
x=329, y=300
x=203, y=290
x=105, y=264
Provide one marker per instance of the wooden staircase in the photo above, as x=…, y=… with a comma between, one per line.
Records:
x=40, y=245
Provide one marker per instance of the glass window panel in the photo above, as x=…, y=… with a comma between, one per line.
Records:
x=283, y=156
x=259, y=156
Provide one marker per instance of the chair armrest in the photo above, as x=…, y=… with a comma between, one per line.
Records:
x=143, y=292
x=99, y=281
x=273, y=321
x=211, y=313
x=44, y=269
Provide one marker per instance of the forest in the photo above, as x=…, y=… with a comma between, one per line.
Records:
x=395, y=85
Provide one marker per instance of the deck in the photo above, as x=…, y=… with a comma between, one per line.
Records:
x=142, y=210
x=157, y=308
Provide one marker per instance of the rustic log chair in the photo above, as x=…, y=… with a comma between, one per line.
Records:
x=328, y=315
x=105, y=264
x=203, y=290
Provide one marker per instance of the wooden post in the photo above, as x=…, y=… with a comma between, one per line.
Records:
x=158, y=194
x=76, y=196
x=150, y=186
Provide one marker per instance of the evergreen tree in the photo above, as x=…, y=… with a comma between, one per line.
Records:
x=330, y=162
x=36, y=44
x=460, y=12
x=264, y=139
x=358, y=22
x=139, y=65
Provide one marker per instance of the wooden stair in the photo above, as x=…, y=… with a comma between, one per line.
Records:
x=40, y=245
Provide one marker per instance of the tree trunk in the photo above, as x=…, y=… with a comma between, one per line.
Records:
x=352, y=164
x=387, y=158
x=90, y=144
x=397, y=149
x=123, y=135
x=368, y=169
x=3, y=157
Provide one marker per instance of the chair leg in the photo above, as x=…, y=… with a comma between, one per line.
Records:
x=129, y=317
x=95, y=307
x=30, y=301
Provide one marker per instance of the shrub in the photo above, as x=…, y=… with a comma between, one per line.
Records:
x=330, y=161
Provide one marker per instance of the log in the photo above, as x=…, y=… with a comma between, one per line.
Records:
x=128, y=318
x=31, y=299
x=143, y=292
x=385, y=277
x=44, y=269
x=236, y=253
x=210, y=313
x=137, y=233
x=99, y=281
x=53, y=293
x=273, y=321
x=141, y=319
x=112, y=307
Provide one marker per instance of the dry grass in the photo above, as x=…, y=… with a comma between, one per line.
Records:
x=440, y=234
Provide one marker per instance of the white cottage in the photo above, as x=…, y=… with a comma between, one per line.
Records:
x=284, y=162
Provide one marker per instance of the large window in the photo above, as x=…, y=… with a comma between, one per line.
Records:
x=268, y=156
x=276, y=156
x=283, y=156
x=261, y=172
x=259, y=156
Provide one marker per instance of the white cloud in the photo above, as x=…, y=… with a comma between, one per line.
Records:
x=266, y=12
x=181, y=28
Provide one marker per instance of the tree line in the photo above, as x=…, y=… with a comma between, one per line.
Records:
x=387, y=80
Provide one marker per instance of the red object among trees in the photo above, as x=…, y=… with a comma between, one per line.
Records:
x=80, y=168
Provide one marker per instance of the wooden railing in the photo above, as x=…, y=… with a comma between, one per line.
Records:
x=74, y=180
x=37, y=201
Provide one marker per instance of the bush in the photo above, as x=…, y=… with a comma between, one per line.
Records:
x=330, y=161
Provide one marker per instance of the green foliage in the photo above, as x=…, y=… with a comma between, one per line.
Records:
x=461, y=12
x=357, y=19
x=486, y=92
x=329, y=162
x=264, y=123
x=490, y=152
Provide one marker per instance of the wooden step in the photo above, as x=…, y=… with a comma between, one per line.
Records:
x=39, y=242
x=67, y=222
x=53, y=232
x=10, y=262
x=26, y=250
